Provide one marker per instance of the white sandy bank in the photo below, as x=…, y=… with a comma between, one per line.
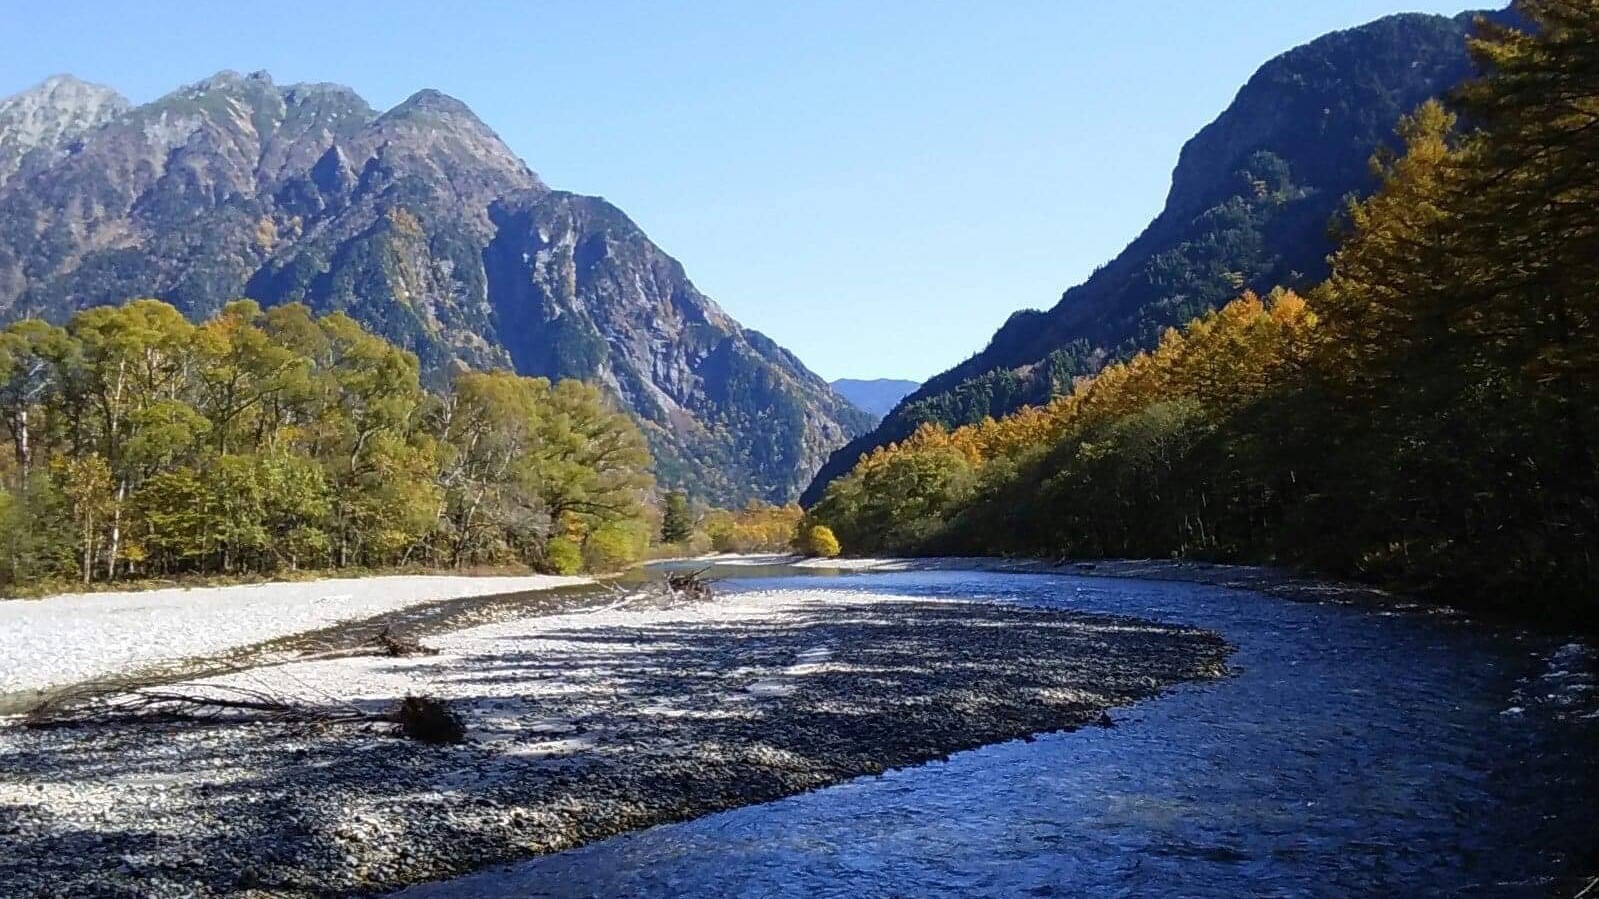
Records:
x=75, y=637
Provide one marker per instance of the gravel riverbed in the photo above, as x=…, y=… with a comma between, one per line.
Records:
x=63, y=639
x=580, y=725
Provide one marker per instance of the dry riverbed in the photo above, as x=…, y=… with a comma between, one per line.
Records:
x=581, y=724
x=66, y=639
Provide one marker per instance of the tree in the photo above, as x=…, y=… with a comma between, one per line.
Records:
x=615, y=545
x=86, y=483
x=266, y=440
x=677, y=522
x=31, y=358
x=490, y=427
x=590, y=462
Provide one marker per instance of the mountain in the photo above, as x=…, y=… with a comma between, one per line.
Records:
x=878, y=396
x=1251, y=203
x=417, y=221
x=37, y=125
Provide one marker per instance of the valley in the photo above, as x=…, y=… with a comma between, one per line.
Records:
x=378, y=519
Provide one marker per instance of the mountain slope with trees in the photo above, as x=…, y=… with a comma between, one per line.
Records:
x=1252, y=201
x=1426, y=416
x=417, y=222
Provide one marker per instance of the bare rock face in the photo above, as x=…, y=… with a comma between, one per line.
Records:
x=579, y=291
x=39, y=124
x=419, y=222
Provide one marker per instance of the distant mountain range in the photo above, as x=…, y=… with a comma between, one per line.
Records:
x=420, y=223
x=878, y=396
x=1251, y=205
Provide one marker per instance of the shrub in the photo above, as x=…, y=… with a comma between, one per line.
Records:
x=819, y=541
x=615, y=545
x=563, y=555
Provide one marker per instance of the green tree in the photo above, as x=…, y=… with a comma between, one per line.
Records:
x=86, y=483
x=591, y=460
x=31, y=357
x=266, y=440
x=677, y=521
x=490, y=429
x=615, y=545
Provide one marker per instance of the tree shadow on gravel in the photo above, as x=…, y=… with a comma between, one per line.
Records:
x=656, y=722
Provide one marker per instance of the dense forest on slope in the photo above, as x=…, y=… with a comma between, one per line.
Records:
x=144, y=445
x=1252, y=198
x=1425, y=416
x=417, y=222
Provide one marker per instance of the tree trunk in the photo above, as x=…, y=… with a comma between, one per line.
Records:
x=116, y=532
x=88, y=549
x=24, y=451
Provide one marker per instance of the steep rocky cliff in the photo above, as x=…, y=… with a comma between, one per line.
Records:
x=421, y=223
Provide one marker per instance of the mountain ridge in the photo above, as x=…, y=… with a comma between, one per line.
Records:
x=877, y=396
x=1252, y=199
x=420, y=222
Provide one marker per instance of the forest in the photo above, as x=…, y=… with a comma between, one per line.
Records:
x=269, y=441
x=1424, y=418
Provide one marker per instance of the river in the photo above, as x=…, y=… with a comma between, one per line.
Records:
x=1353, y=752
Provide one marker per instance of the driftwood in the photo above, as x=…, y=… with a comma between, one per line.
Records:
x=677, y=588
x=111, y=703
x=689, y=585
x=390, y=645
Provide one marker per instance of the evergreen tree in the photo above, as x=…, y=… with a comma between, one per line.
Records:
x=677, y=521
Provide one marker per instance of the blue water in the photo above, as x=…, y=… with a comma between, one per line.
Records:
x=1353, y=753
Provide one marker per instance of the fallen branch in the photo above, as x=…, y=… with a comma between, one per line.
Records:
x=120, y=704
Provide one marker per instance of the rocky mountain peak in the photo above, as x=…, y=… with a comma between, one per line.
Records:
x=422, y=224
x=431, y=129
x=432, y=102
x=48, y=117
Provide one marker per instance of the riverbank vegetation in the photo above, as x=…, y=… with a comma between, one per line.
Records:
x=1425, y=417
x=146, y=446
x=757, y=527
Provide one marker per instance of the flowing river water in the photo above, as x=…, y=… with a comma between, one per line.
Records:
x=1353, y=752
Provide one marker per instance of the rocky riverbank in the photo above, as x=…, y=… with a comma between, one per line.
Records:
x=579, y=726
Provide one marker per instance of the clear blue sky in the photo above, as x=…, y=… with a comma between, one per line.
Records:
x=876, y=185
